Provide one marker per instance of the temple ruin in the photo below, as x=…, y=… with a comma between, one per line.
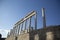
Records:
x=21, y=31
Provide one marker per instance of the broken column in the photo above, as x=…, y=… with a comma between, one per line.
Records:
x=44, y=20
x=44, y=23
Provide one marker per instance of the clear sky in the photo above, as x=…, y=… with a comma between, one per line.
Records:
x=12, y=11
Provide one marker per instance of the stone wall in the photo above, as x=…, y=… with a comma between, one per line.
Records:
x=11, y=37
x=51, y=33
x=23, y=36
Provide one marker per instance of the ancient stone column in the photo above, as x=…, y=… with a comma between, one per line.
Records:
x=10, y=31
x=25, y=24
x=44, y=20
x=18, y=28
x=14, y=31
x=35, y=21
x=22, y=27
x=29, y=23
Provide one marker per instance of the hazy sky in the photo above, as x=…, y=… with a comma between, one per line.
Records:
x=12, y=11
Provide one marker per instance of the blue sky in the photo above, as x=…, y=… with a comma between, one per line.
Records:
x=12, y=11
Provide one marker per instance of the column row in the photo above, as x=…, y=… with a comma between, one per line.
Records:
x=18, y=28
